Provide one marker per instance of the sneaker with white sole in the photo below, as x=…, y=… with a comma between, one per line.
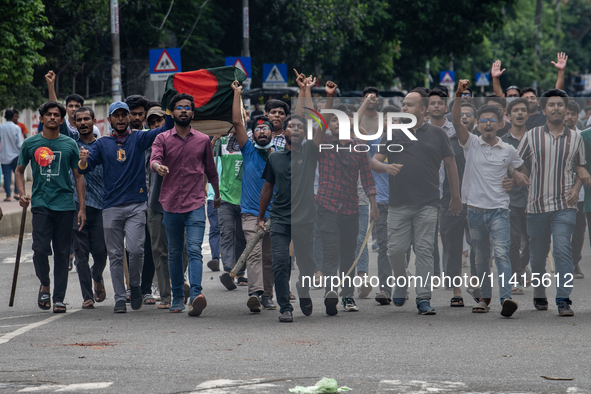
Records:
x=349, y=304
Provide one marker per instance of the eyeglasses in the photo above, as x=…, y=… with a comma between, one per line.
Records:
x=466, y=95
x=491, y=120
x=262, y=128
x=180, y=108
x=467, y=114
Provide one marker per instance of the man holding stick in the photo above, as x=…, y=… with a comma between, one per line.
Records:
x=51, y=155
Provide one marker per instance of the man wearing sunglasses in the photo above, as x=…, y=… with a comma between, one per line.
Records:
x=182, y=156
x=255, y=154
x=122, y=154
x=487, y=161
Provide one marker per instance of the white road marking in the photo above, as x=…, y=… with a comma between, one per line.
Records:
x=420, y=386
x=15, y=317
x=59, y=388
x=229, y=386
x=25, y=258
x=11, y=335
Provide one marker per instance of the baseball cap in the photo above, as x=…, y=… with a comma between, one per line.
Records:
x=155, y=111
x=117, y=105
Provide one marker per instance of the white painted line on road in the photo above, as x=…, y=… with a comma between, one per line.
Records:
x=15, y=317
x=420, y=386
x=12, y=325
x=229, y=386
x=25, y=258
x=11, y=335
x=59, y=388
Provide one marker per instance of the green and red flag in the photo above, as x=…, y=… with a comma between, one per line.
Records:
x=211, y=89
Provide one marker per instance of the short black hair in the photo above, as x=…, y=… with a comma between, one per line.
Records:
x=84, y=109
x=553, y=93
x=16, y=112
x=137, y=101
x=370, y=89
x=178, y=97
x=496, y=99
x=527, y=90
x=52, y=104
x=75, y=97
x=438, y=92
x=273, y=103
x=292, y=117
x=469, y=105
x=573, y=106
x=390, y=108
x=488, y=109
x=442, y=88
x=470, y=90
x=8, y=114
x=513, y=103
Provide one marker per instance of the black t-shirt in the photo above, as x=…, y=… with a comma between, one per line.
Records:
x=460, y=164
x=537, y=120
x=417, y=183
x=504, y=130
x=292, y=173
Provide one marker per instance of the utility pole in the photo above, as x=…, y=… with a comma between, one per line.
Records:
x=116, y=63
x=245, y=35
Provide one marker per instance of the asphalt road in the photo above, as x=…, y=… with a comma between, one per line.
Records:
x=380, y=349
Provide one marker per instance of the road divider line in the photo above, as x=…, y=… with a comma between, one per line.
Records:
x=11, y=335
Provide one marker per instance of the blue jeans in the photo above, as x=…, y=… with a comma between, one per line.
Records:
x=558, y=227
x=363, y=263
x=7, y=170
x=176, y=224
x=214, y=230
x=485, y=224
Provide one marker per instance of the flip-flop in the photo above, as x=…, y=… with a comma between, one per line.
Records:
x=475, y=293
x=101, y=294
x=88, y=304
x=457, y=302
x=149, y=299
x=59, y=307
x=43, y=299
x=481, y=307
x=7, y=199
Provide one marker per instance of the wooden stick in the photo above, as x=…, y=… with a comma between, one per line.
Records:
x=362, y=247
x=249, y=247
x=18, y=256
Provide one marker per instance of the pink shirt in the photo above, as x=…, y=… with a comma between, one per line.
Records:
x=187, y=161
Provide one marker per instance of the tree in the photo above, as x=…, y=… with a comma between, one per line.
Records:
x=23, y=29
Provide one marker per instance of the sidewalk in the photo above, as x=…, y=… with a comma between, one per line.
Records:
x=11, y=222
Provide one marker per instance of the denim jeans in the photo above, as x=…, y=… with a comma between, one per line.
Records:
x=363, y=263
x=416, y=224
x=556, y=226
x=176, y=224
x=579, y=235
x=214, y=230
x=484, y=224
x=7, y=170
x=281, y=237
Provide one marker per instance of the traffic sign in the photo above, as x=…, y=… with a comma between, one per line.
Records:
x=242, y=63
x=164, y=62
x=447, y=77
x=482, y=79
x=275, y=75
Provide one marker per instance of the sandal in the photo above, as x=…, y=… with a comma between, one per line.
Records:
x=16, y=197
x=149, y=299
x=59, y=307
x=481, y=307
x=7, y=199
x=44, y=299
x=100, y=293
x=163, y=305
x=457, y=302
x=88, y=304
x=242, y=281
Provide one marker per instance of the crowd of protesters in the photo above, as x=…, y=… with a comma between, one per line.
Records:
x=503, y=174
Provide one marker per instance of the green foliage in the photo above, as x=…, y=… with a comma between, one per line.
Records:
x=23, y=29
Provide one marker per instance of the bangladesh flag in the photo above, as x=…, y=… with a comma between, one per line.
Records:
x=211, y=89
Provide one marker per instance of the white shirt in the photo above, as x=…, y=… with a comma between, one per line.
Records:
x=486, y=167
x=11, y=139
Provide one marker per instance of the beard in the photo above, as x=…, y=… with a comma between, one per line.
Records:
x=182, y=122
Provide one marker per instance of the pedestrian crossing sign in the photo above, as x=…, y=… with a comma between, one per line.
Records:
x=275, y=75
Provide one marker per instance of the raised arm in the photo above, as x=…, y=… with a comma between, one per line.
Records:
x=50, y=79
x=495, y=73
x=241, y=135
x=560, y=64
x=330, y=89
x=301, y=81
x=456, y=113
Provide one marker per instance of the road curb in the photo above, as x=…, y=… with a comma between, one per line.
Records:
x=11, y=223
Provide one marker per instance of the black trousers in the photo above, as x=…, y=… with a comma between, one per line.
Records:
x=518, y=256
x=384, y=267
x=148, y=269
x=339, y=240
x=91, y=240
x=281, y=237
x=52, y=229
x=452, y=229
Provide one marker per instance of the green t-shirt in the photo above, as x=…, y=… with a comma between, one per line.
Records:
x=51, y=161
x=231, y=178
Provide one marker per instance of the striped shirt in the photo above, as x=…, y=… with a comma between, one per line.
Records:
x=552, y=161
